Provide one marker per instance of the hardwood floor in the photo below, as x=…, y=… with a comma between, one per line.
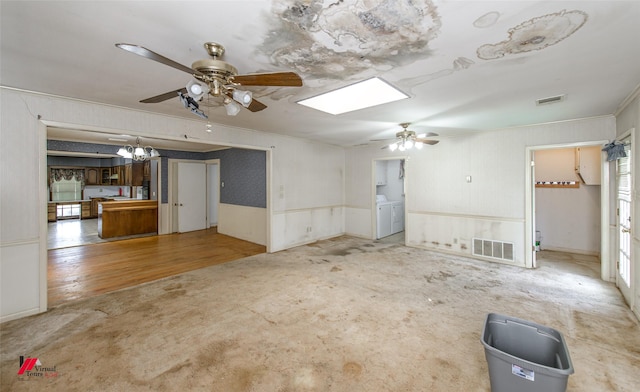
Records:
x=85, y=271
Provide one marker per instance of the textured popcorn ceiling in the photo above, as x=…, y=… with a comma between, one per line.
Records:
x=468, y=66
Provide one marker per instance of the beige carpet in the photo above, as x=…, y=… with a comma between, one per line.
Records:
x=341, y=315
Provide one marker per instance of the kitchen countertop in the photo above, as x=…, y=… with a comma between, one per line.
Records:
x=109, y=198
x=69, y=201
x=120, y=218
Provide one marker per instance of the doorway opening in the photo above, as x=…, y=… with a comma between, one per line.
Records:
x=228, y=191
x=74, y=192
x=389, y=192
x=567, y=202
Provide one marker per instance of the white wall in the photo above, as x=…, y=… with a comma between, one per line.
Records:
x=569, y=219
x=307, y=188
x=102, y=191
x=245, y=223
x=303, y=176
x=444, y=211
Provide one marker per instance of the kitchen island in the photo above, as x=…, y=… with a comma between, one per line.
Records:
x=119, y=218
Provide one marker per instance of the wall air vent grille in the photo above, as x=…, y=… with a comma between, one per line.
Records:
x=494, y=249
x=545, y=101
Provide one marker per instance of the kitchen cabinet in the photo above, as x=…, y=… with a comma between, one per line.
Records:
x=137, y=173
x=85, y=210
x=117, y=175
x=52, y=214
x=105, y=176
x=588, y=164
x=123, y=218
x=94, y=206
x=127, y=174
x=91, y=176
x=146, y=171
x=381, y=172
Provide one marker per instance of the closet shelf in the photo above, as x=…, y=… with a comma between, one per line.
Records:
x=557, y=184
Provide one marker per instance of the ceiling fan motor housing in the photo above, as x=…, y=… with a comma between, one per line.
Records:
x=406, y=135
x=215, y=73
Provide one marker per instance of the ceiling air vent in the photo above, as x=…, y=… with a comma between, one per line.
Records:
x=545, y=101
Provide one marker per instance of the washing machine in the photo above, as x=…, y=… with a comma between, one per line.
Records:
x=389, y=216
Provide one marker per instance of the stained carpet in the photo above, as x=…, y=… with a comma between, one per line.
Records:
x=339, y=315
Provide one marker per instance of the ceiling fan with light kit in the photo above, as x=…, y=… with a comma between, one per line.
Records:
x=408, y=139
x=217, y=78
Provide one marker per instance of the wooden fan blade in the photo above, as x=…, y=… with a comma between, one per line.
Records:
x=165, y=96
x=256, y=106
x=269, y=79
x=427, y=141
x=144, y=52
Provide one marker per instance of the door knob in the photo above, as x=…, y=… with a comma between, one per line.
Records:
x=626, y=230
x=180, y=204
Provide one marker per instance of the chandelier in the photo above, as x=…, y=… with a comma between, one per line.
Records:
x=138, y=153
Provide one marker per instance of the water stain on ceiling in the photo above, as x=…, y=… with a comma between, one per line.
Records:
x=536, y=34
x=487, y=20
x=341, y=39
x=345, y=40
x=458, y=64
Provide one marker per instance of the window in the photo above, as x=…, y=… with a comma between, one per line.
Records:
x=68, y=211
x=66, y=190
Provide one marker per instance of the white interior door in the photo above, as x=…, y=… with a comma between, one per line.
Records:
x=624, y=193
x=192, y=196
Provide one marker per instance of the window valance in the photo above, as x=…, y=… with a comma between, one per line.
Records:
x=57, y=174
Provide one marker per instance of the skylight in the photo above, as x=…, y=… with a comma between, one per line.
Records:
x=361, y=95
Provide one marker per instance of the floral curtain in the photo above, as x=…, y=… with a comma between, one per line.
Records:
x=66, y=174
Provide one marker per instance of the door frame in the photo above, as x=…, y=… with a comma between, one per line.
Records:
x=212, y=188
x=628, y=293
x=607, y=267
